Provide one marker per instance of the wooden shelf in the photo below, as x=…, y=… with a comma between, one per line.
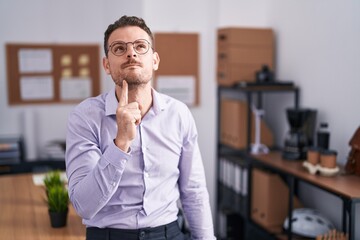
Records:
x=344, y=185
x=261, y=88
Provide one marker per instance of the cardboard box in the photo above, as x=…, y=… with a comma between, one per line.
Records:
x=234, y=128
x=245, y=36
x=270, y=199
x=246, y=55
x=242, y=52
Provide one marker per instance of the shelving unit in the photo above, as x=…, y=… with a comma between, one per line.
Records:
x=232, y=202
x=227, y=198
x=11, y=150
x=13, y=158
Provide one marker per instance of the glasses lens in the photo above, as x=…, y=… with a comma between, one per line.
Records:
x=118, y=48
x=141, y=46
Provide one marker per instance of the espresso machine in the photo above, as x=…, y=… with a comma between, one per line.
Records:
x=300, y=136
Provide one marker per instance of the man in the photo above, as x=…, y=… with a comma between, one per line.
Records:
x=133, y=152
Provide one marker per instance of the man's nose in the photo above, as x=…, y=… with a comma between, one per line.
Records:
x=130, y=51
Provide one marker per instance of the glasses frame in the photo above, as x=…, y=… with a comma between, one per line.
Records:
x=126, y=47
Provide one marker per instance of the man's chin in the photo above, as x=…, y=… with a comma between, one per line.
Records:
x=134, y=83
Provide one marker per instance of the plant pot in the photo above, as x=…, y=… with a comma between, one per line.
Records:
x=58, y=219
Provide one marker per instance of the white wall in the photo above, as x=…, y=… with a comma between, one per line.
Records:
x=318, y=48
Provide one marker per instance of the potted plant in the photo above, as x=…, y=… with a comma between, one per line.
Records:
x=58, y=205
x=53, y=178
x=57, y=199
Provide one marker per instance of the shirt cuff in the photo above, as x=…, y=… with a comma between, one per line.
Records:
x=116, y=156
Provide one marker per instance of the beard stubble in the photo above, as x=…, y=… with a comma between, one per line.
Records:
x=132, y=77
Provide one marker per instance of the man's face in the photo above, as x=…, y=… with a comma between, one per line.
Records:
x=133, y=67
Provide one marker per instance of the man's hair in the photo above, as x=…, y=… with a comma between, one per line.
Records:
x=125, y=21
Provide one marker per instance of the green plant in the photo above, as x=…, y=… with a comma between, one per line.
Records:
x=58, y=199
x=53, y=178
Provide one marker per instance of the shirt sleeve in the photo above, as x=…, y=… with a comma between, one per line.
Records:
x=193, y=191
x=93, y=175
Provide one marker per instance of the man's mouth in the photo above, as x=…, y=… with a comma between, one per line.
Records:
x=131, y=64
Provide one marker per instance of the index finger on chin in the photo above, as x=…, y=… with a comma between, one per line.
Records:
x=123, y=99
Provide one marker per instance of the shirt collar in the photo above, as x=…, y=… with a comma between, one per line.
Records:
x=111, y=102
x=159, y=103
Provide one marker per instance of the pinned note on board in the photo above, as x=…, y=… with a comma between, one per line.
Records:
x=179, y=87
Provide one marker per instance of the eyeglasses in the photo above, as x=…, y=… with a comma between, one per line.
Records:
x=118, y=48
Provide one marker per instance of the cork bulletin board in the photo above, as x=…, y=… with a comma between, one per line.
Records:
x=52, y=73
x=178, y=73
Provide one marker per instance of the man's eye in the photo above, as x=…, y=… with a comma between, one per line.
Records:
x=141, y=45
x=119, y=48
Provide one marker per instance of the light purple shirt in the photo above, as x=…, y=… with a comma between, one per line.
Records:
x=138, y=189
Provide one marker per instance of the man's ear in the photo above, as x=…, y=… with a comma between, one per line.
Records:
x=156, y=61
x=106, y=65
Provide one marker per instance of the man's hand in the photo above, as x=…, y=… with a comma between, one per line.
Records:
x=128, y=116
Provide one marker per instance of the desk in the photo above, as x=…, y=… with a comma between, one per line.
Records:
x=346, y=187
x=24, y=214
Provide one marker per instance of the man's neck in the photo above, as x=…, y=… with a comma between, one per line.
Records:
x=142, y=95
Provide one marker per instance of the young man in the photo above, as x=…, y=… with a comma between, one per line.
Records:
x=133, y=152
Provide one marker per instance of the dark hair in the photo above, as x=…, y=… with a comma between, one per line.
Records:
x=125, y=21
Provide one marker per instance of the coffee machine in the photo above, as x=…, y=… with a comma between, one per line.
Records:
x=302, y=122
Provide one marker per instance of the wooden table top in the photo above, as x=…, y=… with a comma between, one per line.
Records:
x=344, y=185
x=24, y=214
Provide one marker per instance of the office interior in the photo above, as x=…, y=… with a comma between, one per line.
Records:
x=317, y=47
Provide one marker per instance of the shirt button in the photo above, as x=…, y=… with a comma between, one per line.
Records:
x=147, y=174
